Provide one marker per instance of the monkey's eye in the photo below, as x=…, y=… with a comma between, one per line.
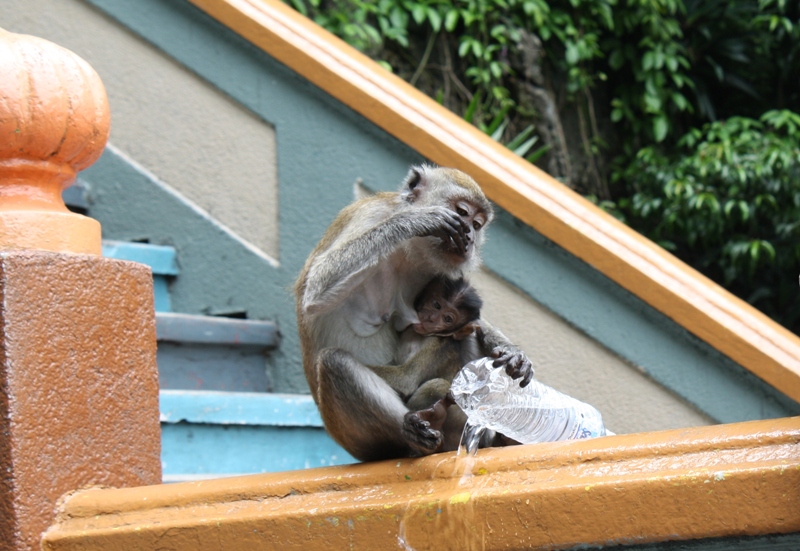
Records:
x=437, y=305
x=448, y=320
x=477, y=225
x=461, y=211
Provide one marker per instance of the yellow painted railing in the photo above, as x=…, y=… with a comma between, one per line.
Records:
x=726, y=480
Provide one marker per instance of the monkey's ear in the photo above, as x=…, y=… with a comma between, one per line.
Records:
x=412, y=186
x=465, y=331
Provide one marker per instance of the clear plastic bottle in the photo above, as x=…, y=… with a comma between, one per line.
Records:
x=535, y=413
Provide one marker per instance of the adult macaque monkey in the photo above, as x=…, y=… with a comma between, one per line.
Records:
x=355, y=296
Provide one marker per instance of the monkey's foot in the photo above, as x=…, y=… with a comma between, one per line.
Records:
x=419, y=434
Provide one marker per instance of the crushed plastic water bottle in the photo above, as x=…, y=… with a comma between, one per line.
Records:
x=536, y=413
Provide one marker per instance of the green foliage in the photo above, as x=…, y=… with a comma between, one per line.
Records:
x=389, y=29
x=669, y=64
x=639, y=40
x=728, y=202
x=744, y=56
x=724, y=198
x=653, y=51
x=651, y=66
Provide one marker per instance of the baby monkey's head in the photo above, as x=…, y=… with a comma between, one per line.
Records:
x=447, y=308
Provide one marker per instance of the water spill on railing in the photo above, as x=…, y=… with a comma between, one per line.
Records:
x=449, y=510
x=470, y=439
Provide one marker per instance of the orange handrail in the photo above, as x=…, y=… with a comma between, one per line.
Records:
x=718, y=481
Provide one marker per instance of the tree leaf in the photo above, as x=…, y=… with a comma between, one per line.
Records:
x=435, y=19
x=660, y=128
x=419, y=12
x=572, y=55
x=451, y=20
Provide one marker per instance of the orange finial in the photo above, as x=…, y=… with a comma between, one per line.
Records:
x=54, y=121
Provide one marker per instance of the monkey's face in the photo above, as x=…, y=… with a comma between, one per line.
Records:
x=459, y=250
x=437, y=315
x=446, y=187
x=474, y=218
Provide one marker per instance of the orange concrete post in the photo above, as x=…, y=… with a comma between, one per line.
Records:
x=78, y=377
x=54, y=121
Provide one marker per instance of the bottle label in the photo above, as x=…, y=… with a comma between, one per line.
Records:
x=587, y=424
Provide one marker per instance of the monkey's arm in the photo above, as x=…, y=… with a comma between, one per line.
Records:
x=335, y=272
x=508, y=355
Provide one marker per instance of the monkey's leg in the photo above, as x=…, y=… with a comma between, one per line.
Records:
x=428, y=394
x=423, y=424
x=438, y=358
x=434, y=410
x=360, y=410
x=399, y=377
x=425, y=378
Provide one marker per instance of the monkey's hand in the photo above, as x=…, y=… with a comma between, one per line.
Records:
x=515, y=362
x=445, y=224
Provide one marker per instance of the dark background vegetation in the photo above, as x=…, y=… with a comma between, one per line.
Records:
x=678, y=117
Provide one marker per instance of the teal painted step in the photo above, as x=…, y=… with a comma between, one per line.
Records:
x=210, y=425
x=209, y=434
x=190, y=328
x=213, y=353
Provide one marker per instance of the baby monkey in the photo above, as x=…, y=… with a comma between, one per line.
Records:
x=437, y=343
x=445, y=308
x=449, y=309
x=445, y=336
